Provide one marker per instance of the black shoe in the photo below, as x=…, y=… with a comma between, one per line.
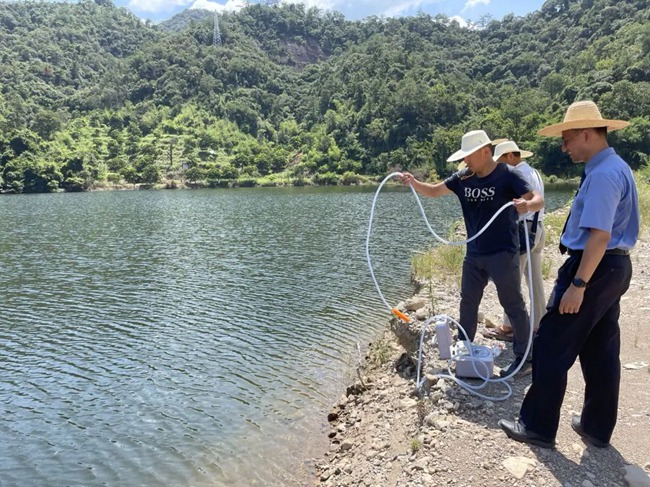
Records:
x=577, y=427
x=517, y=431
x=527, y=368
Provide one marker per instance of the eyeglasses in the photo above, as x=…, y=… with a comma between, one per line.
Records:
x=566, y=141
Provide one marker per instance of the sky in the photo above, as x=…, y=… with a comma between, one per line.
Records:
x=461, y=10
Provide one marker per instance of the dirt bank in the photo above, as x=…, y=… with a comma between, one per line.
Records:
x=385, y=435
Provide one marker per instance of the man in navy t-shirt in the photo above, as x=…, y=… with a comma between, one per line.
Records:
x=483, y=187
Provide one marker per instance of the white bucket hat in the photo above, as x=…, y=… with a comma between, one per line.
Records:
x=509, y=146
x=472, y=141
x=582, y=115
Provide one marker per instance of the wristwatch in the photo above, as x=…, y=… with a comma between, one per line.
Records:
x=577, y=282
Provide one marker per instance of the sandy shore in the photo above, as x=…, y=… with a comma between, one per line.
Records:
x=382, y=433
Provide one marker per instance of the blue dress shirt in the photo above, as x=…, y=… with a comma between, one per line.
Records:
x=608, y=201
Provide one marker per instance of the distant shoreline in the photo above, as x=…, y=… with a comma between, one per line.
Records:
x=556, y=184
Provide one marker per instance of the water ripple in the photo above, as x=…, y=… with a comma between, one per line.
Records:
x=189, y=338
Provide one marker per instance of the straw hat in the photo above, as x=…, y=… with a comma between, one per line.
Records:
x=582, y=115
x=509, y=146
x=498, y=141
x=471, y=142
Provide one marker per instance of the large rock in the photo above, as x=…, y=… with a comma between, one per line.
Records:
x=347, y=444
x=414, y=304
x=519, y=466
x=636, y=477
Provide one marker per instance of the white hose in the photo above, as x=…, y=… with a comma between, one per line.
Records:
x=372, y=216
x=468, y=387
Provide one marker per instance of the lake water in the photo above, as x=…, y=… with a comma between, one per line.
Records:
x=190, y=338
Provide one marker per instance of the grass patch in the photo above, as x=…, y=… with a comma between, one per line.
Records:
x=554, y=223
x=556, y=184
x=643, y=188
x=380, y=352
x=415, y=445
x=442, y=262
x=547, y=265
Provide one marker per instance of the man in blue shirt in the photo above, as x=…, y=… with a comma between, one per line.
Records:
x=584, y=307
x=483, y=187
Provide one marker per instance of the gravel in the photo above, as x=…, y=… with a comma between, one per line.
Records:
x=384, y=432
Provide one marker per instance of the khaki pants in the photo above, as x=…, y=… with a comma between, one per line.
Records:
x=539, y=300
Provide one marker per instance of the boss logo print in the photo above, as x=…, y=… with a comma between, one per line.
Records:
x=479, y=194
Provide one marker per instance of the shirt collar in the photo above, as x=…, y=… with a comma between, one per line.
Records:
x=598, y=159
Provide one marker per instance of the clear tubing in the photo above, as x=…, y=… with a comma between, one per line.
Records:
x=468, y=387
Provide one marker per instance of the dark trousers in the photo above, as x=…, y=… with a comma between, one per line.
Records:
x=503, y=269
x=593, y=335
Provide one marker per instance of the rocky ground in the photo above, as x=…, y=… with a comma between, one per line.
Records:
x=384, y=433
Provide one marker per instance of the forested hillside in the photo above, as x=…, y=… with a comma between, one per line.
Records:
x=91, y=96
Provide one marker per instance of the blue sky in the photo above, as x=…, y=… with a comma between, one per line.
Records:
x=462, y=10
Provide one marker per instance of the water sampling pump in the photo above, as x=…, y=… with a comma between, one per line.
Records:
x=471, y=361
x=476, y=362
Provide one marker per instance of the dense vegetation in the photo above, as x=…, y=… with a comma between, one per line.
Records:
x=90, y=95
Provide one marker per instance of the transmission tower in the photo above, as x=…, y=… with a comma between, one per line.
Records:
x=216, y=37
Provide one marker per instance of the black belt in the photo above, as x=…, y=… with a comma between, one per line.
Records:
x=607, y=252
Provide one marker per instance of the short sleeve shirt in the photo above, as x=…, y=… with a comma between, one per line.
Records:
x=481, y=198
x=608, y=201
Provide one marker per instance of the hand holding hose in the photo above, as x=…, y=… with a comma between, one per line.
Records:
x=521, y=205
x=407, y=178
